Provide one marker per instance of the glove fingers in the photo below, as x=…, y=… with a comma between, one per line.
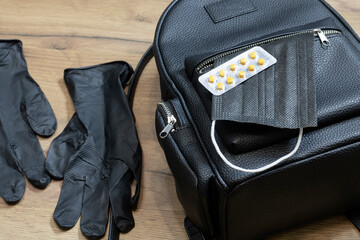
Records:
x=68, y=209
x=12, y=182
x=32, y=160
x=14, y=190
x=95, y=211
x=58, y=158
x=70, y=203
x=38, y=177
x=40, y=114
x=120, y=196
x=64, y=147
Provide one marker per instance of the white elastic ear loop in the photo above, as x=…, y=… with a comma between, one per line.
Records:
x=301, y=132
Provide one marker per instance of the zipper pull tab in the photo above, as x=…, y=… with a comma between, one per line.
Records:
x=324, y=40
x=169, y=127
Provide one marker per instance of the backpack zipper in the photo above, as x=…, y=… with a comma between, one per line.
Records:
x=171, y=121
x=317, y=32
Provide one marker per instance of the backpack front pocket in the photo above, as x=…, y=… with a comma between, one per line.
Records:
x=283, y=96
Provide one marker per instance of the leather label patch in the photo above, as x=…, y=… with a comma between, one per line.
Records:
x=226, y=9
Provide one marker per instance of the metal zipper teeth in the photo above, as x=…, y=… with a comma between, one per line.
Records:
x=209, y=62
x=166, y=109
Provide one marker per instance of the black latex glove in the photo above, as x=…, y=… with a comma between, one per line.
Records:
x=24, y=113
x=98, y=154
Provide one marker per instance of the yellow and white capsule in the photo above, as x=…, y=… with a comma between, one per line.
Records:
x=253, y=55
x=220, y=86
x=230, y=80
x=243, y=61
x=261, y=61
x=222, y=73
x=212, y=79
x=241, y=74
x=233, y=67
x=251, y=68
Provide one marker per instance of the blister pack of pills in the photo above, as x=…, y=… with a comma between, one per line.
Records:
x=237, y=70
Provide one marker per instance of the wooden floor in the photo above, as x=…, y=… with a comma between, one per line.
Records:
x=67, y=33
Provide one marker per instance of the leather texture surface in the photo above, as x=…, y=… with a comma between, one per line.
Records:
x=223, y=10
x=192, y=179
x=329, y=153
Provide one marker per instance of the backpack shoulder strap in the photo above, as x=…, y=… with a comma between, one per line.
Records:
x=149, y=54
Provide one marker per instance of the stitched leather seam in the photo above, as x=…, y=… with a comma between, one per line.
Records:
x=212, y=9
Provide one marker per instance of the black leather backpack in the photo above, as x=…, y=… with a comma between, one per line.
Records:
x=319, y=180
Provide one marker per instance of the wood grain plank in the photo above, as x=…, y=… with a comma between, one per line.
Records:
x=66, y=33
x=126, y=19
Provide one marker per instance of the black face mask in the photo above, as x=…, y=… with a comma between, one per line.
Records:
x=281, y=96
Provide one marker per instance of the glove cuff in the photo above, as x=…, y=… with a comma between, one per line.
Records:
x=11, y=43
x=89, y=84
x=16, y=46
